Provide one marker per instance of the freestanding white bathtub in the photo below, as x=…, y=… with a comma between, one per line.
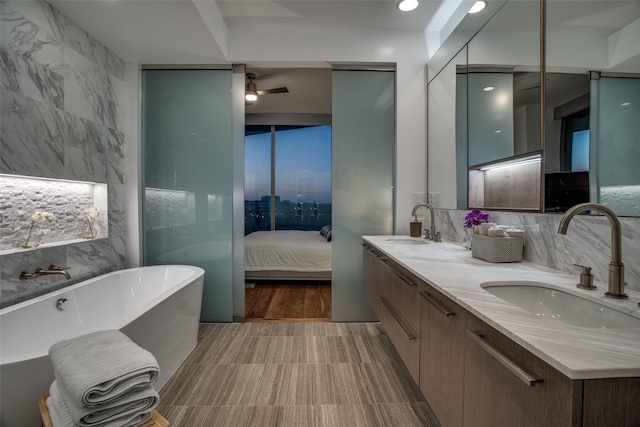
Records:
x=157, y=307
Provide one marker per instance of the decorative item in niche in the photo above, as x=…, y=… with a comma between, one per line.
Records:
x=67, y=201
x=34, y=235
x=92, y=214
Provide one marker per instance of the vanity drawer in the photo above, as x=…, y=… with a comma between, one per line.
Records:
x=404, y=336
x=402, y=288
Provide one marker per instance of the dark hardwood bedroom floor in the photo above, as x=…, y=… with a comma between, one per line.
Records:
x=305, y=301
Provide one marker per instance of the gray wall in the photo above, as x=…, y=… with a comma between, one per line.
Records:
x=61, y=117
x=587, y=242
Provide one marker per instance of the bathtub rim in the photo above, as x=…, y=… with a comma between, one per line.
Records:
x=124, y=321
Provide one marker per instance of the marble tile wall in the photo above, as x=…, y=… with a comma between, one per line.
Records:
x=587, y=242
x=62, y=114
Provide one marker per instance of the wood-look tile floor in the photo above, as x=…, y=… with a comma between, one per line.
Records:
x=293, y=374
x=289, y=302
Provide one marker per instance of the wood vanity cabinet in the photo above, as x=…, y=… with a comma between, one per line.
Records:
x=506, y=385
x=442, y=339
x=399, y=305
x=472, y=375
x=371, y=278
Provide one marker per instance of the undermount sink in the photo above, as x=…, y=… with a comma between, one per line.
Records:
x=408, y=241
x=551, y=304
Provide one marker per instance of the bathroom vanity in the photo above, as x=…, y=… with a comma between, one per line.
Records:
x=482, y=361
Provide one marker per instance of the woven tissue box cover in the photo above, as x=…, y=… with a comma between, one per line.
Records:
x=497, y=249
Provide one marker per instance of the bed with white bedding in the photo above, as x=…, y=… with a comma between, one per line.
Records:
x=287, y=254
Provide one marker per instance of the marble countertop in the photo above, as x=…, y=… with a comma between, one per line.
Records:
x=577, y=352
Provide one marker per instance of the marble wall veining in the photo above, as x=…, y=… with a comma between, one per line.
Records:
x=62, y=116
x=587, y=242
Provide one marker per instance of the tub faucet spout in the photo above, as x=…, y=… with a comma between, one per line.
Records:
x=616, y=268
x=53, y=269
x=432, y=229
x=42, y=272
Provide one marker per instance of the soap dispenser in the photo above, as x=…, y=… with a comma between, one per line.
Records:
x=415, y=227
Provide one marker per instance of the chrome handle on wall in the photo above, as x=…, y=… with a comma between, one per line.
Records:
x=406, y=331
x=523, y=375
x=436, y=304
x=397, y=273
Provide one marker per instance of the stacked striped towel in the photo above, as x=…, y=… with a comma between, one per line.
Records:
x=103, y=379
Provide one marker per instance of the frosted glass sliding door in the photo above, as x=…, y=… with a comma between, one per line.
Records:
x=363, y=157
x=187, y=178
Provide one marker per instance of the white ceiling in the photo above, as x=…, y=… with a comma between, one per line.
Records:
x=204, y=31
x=186, y=31
x=222, y=32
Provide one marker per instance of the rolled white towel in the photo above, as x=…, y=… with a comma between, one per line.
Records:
x=97, y=368
x=497, y=232
x=132, y=410
x=514, y=232
x=485, y=226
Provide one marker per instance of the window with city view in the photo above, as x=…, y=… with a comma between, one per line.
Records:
x=302, y=177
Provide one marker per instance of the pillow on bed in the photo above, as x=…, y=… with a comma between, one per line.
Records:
x=326, y=232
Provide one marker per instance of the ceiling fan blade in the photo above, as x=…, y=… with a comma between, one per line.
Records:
x=274, y=90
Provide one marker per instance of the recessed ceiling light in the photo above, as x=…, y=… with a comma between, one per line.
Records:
x=478, y=6
x=624, y=104
x=488, y=89
x=407, y=5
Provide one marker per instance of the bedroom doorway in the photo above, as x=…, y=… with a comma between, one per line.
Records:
x=280, y=301
x=288, y=223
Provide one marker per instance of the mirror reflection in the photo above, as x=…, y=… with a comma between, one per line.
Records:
x=592, y=105
x=589, y=148
x=504, y=85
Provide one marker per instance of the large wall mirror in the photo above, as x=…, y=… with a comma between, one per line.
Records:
x=591, y=131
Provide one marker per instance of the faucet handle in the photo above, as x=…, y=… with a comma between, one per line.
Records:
x=427, y=234
x=586, y=278
x=437, y=237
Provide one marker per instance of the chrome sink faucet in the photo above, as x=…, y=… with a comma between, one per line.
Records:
x=616, y=268
x=432, y=234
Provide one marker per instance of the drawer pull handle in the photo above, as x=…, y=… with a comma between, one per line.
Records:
x=406, y=331
x=368, y=247
x=436, y=304
x=397, y=273
x=523, y=375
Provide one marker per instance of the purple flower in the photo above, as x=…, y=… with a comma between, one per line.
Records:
x=475, y=217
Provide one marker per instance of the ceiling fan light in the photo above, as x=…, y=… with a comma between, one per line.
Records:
x=407, y=5
x=478, y=6
x=251, y=91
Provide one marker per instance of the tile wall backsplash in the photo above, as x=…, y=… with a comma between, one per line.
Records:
x=587, y=242
x=61, y=117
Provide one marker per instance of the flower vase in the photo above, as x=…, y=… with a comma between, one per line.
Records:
x=33, y=238
x=467, y=237
x=90, y=232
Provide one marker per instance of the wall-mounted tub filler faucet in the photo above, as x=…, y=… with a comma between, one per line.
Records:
x=431, y=235
x=42, y=272
x=616, y=268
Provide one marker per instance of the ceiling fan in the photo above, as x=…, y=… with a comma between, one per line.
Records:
x=251, y=91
